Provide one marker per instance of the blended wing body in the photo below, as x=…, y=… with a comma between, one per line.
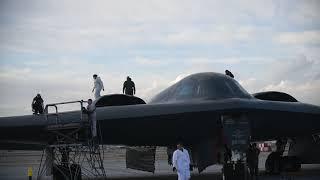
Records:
x=191, y=109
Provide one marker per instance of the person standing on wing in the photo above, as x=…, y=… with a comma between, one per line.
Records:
x=37, y=104
x=97, y=86
x=129, y=87
x=181, y=162
x=229, y=73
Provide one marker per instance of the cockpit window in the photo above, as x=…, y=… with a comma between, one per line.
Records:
x=203, y=87
x=186, y=90
x=221, y=89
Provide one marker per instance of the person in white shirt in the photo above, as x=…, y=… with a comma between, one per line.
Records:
x=181, y=162
x=92, y=117
x=97, y=86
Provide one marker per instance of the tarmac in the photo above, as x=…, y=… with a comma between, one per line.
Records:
x=14, y=166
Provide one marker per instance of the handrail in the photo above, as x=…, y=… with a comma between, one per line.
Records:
x=68, y=102
x=61, y=103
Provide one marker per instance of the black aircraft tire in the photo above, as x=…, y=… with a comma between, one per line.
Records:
x=272, y=164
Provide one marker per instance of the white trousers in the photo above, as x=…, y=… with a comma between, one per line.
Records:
x=183, y=174
x=94, y=127
x=97, y=93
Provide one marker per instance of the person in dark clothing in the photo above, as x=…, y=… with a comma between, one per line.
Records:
x=253, y=160
x=227, y=154
x=229, y=73
x=170, y=151
x=37, y=104
x=129, y=87
x=256, y=151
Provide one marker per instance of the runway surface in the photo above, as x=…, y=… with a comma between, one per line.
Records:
x=14, y=165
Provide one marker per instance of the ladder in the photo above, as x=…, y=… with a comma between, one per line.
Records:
x=71, y=151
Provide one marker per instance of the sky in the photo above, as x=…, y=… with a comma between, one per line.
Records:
x=54, y=47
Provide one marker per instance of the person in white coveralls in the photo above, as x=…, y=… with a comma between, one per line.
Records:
x=97, y=86
x=181, y=162
x=91, y=111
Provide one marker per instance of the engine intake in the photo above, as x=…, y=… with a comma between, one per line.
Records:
x=275, y=96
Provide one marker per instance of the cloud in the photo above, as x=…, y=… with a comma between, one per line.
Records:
x=295, y=68
x=248, y=82
x=149, y=62
x=299, y=38
x=50, y=26
x=227, y=60
x=304, y=13
x=216, y=34
x=298, y=76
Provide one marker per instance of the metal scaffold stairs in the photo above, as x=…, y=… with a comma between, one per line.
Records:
x=72, y=153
